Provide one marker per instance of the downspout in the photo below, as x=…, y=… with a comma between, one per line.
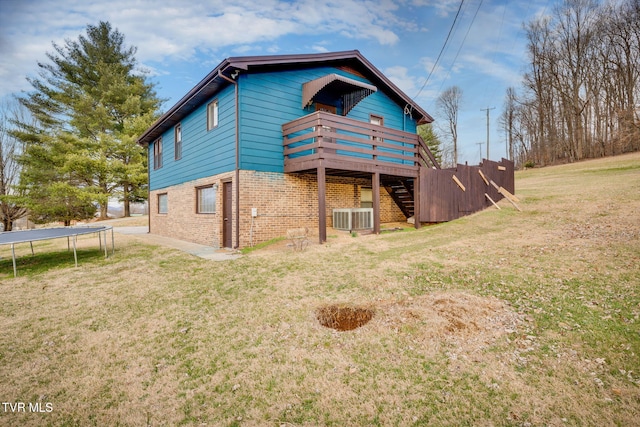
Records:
x=148, y=190
x=237, y=171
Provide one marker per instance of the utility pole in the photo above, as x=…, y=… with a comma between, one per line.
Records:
x=487, y=110
x=480, y=146
x=506, y=143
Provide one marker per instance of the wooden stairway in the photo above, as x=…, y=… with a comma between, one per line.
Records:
x=401, y=191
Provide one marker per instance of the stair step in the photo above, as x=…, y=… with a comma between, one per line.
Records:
x=402, y=193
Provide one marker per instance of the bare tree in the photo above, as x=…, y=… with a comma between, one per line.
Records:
x=10, y=148
x=508, y=118
x=619, y=53
x=582, y=87
x=449, y=105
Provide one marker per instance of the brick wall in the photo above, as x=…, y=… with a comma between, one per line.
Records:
x=287, y=201
x=181, y=220
x=283, y=201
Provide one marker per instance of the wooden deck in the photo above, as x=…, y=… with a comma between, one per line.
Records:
x=341, y=144
x=324, y=144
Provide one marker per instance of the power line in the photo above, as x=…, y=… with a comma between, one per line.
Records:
x=461, y=45
x=441, y=50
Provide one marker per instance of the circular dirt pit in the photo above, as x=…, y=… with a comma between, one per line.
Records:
x=343, y=317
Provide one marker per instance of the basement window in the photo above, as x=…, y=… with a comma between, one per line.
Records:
x=366, y=197
x=206, y=199
x=163, y=203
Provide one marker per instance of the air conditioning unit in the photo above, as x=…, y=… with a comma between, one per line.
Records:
x=353, y=219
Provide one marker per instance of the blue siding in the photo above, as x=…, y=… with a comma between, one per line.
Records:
x=268, y=100
x=204, y=153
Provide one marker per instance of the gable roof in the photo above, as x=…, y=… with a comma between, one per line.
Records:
x=220, y=76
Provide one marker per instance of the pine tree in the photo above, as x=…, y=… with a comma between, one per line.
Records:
x=429, y=136
x=89, y=103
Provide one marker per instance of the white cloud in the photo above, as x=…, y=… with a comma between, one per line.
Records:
x=197, y=35
x=244, y=49
x=443, y=7
x=273, y=49
x=486, y=65
x=400, y=77
x=164, y=32
x=319, y=48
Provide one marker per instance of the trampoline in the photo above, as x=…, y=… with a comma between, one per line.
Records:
x=71, y=233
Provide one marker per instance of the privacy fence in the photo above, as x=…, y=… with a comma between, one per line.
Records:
x=447, y=194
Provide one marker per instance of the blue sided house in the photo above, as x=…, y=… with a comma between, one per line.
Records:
x=264, y=144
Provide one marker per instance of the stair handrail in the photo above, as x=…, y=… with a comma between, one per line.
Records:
x=423, y=149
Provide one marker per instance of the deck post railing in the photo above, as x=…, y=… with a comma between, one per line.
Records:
x=323, y=135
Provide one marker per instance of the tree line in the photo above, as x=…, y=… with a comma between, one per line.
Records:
x=69, y=145
x=581, y=93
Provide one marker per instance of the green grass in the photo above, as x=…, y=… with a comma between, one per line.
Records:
x=502, y=318
x=30, y=265
x=261, y=245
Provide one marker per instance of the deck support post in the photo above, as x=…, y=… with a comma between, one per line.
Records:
x=322, y=209
x=375, y=189
x=416, y=200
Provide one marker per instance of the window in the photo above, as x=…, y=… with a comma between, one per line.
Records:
x=212, y=115
x=178, y=141
x=157, y=153
x=206, y=199
x=376, y=120
x=163, y=203
x=366, y=197
x=329, y=109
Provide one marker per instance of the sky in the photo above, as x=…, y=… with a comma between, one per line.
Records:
x=180, y=42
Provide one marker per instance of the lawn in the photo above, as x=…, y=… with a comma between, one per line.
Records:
x=502, y=318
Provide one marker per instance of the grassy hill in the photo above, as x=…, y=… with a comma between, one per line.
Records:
x=502, y=318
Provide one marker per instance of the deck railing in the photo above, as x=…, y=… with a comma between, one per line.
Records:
x=350, y=144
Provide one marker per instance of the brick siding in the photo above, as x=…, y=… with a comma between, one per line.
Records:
x=181, y=220
x=283, y=201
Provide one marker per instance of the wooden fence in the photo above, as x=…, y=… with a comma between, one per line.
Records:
x=447, y=194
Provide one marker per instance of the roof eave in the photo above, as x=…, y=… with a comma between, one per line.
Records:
x=150, y=134
x=422, y=117
x=229, y=65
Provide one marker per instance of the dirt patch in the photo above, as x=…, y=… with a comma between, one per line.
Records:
x=436, y=315
x=343, y=317
x=452, y=314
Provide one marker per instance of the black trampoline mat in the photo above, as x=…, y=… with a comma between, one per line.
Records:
x=22, y=236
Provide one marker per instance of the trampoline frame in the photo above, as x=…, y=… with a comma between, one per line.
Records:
x=13, y=237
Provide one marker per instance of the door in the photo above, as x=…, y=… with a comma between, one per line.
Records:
x=227, y=215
